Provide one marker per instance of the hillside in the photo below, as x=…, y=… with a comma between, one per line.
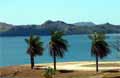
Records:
x=45, y=28
x=4, y=26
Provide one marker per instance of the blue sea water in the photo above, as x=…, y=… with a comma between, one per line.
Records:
x=13, y=50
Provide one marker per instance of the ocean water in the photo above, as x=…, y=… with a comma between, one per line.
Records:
x=13, y=50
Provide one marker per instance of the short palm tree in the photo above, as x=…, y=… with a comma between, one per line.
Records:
x=57, y=46
x=35, y=47
x=100, y=47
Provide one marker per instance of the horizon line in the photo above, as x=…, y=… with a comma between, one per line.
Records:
x=58, y=20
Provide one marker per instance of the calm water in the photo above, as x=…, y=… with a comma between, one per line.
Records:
x=13, y=50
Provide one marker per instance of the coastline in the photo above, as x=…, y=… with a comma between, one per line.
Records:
x=81, y=66
x=75, y=65
x=75, y=69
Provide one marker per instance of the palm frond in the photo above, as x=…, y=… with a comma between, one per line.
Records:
x=58, y=44
x=99, y=46
x=27, y=41
x=35, y=45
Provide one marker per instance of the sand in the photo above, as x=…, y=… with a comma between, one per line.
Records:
x=77, y=70
x=82, y=65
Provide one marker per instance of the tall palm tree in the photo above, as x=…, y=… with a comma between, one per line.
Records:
x=57, y=46
x=35, y=47
x=100, y=47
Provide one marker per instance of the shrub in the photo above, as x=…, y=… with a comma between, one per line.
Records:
x=49, y=73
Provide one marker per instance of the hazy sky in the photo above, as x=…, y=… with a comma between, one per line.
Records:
x=70, y=11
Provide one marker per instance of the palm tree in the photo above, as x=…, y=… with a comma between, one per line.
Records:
x=35, y=47
x=100, y=47
x=57, y=46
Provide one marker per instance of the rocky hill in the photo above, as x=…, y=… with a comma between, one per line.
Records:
x=45, y=28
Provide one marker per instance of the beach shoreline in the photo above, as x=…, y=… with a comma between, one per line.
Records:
x=76, y=68
x=74, y=63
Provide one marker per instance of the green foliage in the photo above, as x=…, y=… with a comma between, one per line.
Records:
x=35, y=45
x=49, y=73
x=58, y=44
x=99, y=46
x=97, y=36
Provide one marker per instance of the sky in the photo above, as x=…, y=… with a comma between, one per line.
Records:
x=38, y=11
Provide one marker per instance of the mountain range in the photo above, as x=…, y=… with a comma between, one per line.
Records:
x=84, y=24
x=68, y=29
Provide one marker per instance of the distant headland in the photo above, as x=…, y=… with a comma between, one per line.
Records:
x=68, y=29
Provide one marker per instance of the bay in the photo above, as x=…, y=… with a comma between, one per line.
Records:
x=13, y=50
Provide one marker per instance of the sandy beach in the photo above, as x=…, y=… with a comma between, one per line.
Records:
x=73, y=69
x=85, y=65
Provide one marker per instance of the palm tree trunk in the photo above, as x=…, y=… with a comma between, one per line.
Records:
x=54, y=57
x=96, y=63
x=32, y=61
